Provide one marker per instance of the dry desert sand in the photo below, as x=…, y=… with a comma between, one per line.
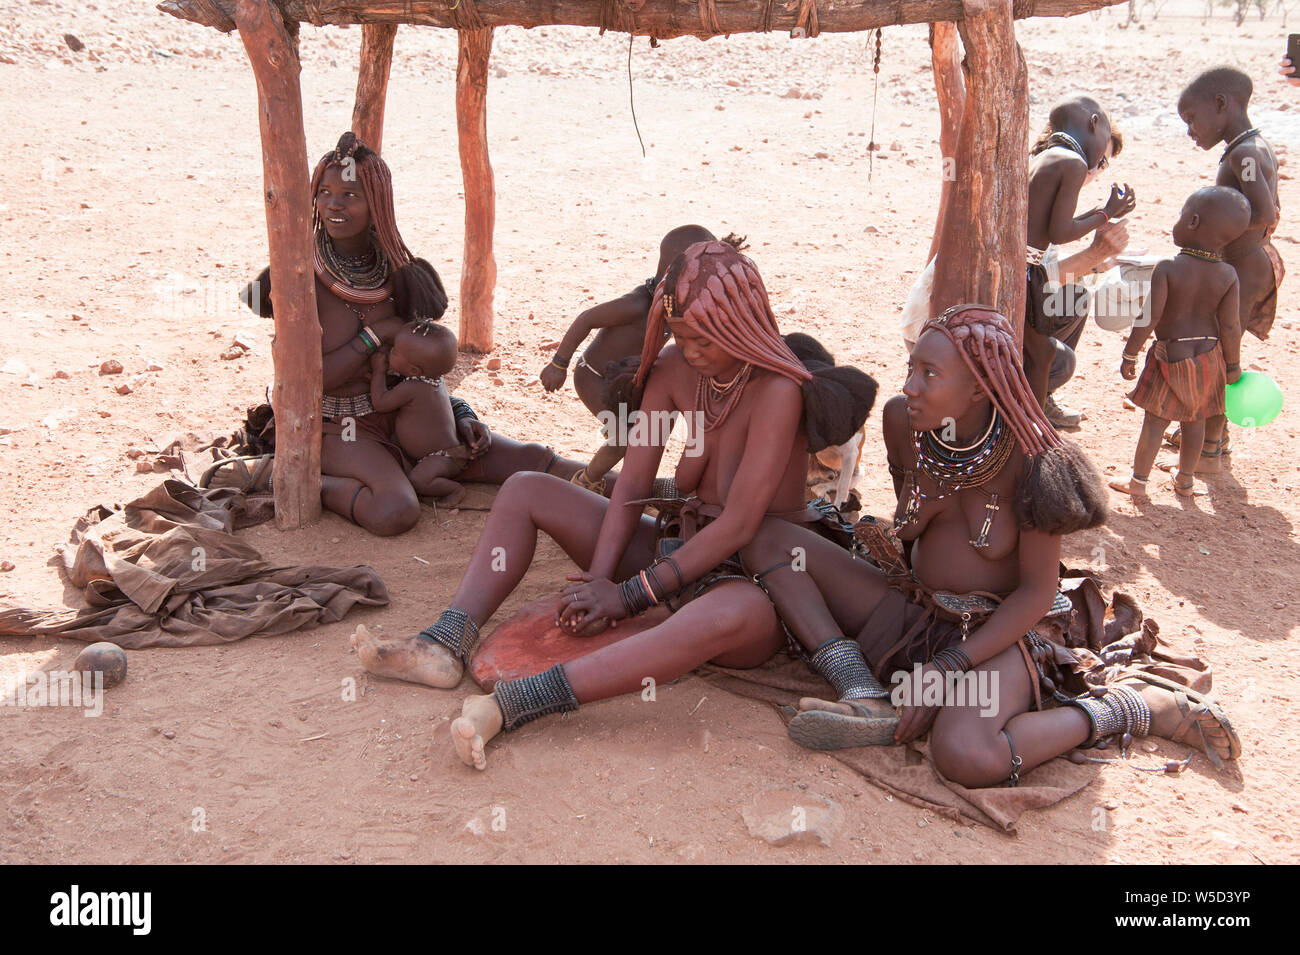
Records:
x=132, y=212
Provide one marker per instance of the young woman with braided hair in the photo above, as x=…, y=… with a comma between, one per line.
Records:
x=741, y=389
x=368, y=287
x=986, y=489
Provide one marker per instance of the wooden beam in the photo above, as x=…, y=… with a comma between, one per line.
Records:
x=981, y=251
x=950, y=87
x=478, y=275
x=664, y=19
x=372, y=83
x=273, y=53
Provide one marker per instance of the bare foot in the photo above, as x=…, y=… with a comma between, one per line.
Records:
x=479, y=721
x=1188, y=486
x=1132, y=487
x=875, y=707
x=1165, y=717
x=414, y=659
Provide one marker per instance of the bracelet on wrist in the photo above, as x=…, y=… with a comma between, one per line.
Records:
x=1132, y=358
x=1105, y=216
x=636, y=595
x=561, y=363
x=952, y=660
x=563, y=368
x=369, y=340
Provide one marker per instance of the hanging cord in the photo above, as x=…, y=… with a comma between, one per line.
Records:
x=630, y=101
x=875, y=91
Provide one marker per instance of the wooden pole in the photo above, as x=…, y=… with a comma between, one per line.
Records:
x=664, y=19
x=372, y=83
x=981, y=251
x=950, y=87
x=478, y=274
x=273, y=53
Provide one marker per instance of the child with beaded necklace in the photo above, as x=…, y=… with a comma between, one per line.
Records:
x=424, y=424
x=1214, y=107
x=1194, y=315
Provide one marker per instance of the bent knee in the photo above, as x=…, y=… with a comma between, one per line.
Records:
x=522, y=489
x=970, y=760
x=391, y=517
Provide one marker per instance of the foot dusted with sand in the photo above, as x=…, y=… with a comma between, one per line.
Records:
x=875, y=707
x=1132, y=487
x=479, y=721
x=414, y=659
x=1166, y=717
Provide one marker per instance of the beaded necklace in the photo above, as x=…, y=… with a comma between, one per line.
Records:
x=360, y=279
x=955, y=468
x=428, y=381
x=709, y=391
x=1253, y=131
x=1200, y=254
x=1069, y=142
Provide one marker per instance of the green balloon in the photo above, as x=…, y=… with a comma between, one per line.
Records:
x=1253, y=400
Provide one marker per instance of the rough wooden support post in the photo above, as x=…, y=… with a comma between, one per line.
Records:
x=982, y=247
x=372, y=83
x=478, y=276
x=273, y=53
x=950, y=87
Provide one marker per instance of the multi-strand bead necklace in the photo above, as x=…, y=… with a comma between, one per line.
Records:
x=954, y=468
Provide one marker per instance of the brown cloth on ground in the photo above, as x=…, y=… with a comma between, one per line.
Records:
x=1192, y=389
x=1108, y=637
x=166, y=571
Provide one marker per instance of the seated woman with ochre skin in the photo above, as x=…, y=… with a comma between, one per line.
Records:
x=740, y=386
x=986, y=489
x=368, y=287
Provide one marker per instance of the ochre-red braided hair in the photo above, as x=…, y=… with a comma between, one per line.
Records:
x=718, y=292
x=376, y=181
x=987, y=344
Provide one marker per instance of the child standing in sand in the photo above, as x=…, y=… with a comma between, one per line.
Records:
x=1077, y=145
x=1198, y=336
x=424, y=426
x=1214, y=107
x=620, y=326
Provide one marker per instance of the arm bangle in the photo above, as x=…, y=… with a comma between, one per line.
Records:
x=559, y=362
x=369, y=340
x=460, y=409
x=563, y=368
x=1132, y=358
x=636, y=597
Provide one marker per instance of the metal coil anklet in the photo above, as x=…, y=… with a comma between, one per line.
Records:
x=456, y=631
x=524, y=700
x=842, y=664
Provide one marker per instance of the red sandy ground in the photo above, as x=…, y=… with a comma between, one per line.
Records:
x=133, y=168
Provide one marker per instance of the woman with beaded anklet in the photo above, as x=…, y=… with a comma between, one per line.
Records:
x=966, y=593
x=743, y=393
